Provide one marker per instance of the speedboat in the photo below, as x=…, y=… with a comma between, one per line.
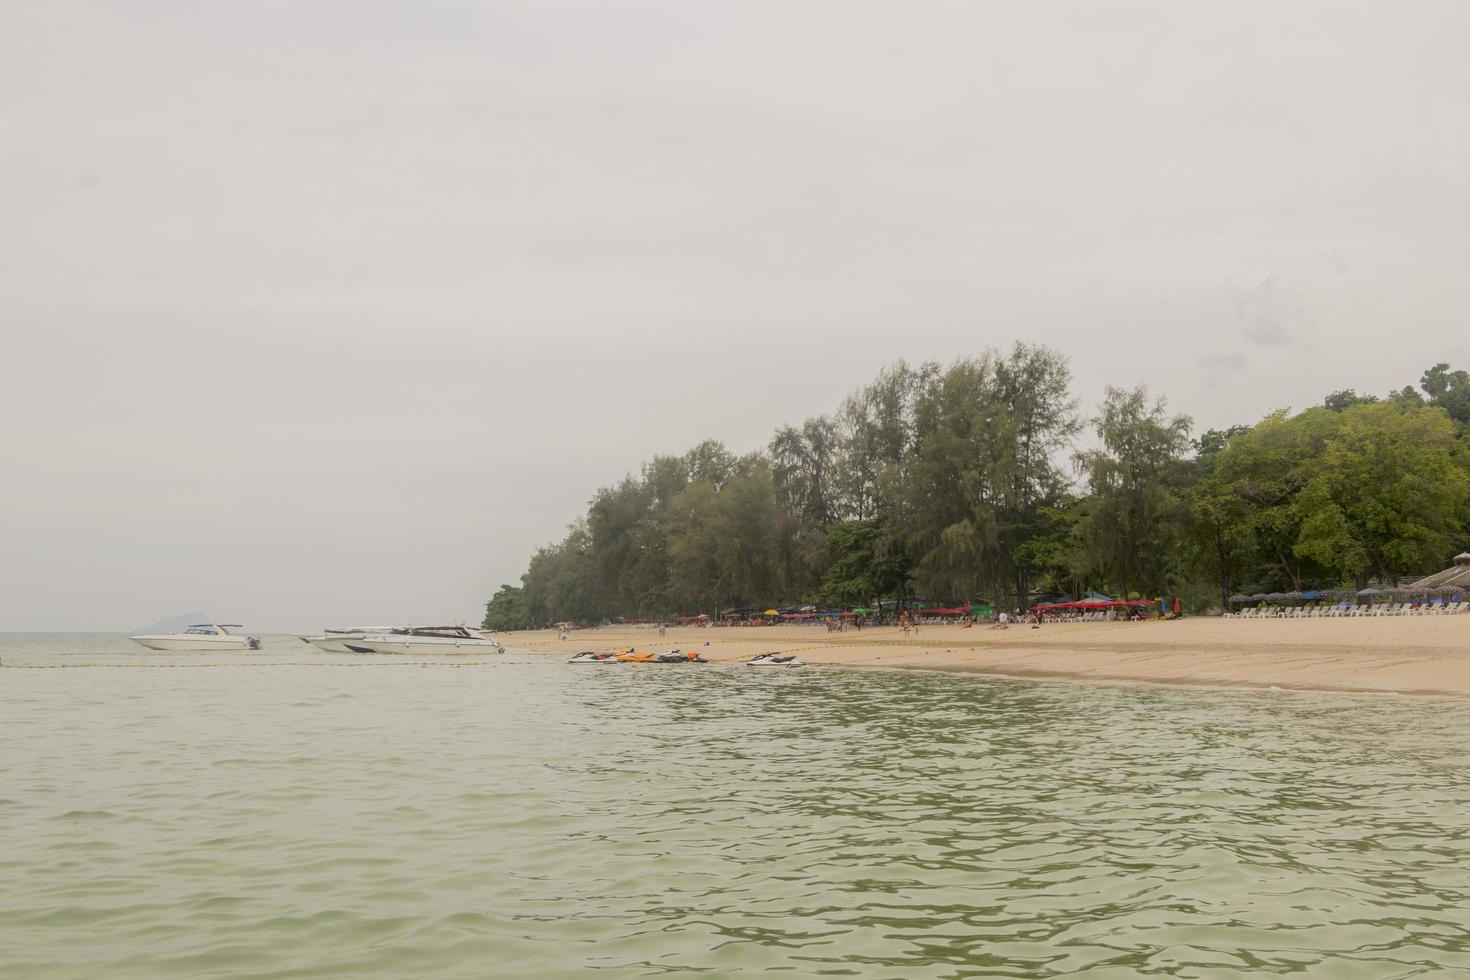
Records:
x=774, y=660
x=202, y=636
x=343, y=641
x=424, y=639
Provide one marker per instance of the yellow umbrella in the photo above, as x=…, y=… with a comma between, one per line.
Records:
x=771, y=612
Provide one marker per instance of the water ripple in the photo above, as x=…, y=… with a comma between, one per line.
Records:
x=550, y=821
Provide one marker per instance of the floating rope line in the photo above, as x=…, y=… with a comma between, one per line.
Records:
x=270, y=663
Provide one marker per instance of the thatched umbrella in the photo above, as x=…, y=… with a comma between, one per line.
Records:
x=1238, y=599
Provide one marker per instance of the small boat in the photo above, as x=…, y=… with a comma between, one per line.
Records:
x=201, y=636
x=775, y=660
x=343, y=641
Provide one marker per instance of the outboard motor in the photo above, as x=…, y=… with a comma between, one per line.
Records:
x=254, y=643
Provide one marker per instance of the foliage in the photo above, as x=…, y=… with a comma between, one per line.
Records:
x=945, y=481
x=1135, y=516
x=864, y=564
x=1388, y=495
x=506, y=610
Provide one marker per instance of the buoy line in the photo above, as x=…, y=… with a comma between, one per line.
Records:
x=272, y=663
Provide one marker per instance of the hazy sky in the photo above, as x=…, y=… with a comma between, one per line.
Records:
x=321, y=313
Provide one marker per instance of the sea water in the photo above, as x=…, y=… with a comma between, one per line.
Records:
x=290, y=814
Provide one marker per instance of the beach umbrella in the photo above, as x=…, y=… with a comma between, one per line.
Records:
x=863, y=611
x=771, y=612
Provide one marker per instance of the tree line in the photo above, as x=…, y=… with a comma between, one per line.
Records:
x=944, y=484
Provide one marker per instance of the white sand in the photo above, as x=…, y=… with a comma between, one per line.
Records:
x=1406, y=654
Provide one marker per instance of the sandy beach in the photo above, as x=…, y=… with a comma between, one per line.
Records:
x=1410, y=655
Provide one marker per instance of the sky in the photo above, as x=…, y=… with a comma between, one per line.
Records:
x=318, y=313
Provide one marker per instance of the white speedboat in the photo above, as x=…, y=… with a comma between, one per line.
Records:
x=775, y=660
x=203, y=636
x=425, y=639
x=343, y=641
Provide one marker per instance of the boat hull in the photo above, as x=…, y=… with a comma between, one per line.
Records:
x=335, y=644
x=170, y=643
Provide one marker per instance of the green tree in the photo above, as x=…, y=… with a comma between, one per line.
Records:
x=1388, y=495
x=1245, y=500
x=1341, y=401
x=865, y=563
x=1135, y=518
x=1449, y=390
x=506, y=610
x=560, y=584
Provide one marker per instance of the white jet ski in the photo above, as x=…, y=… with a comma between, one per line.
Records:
x=775, y=660
x=590, y=657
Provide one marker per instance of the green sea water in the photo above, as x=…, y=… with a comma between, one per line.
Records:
x=286, y=814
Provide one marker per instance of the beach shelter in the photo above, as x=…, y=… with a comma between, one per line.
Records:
x=1456, y=577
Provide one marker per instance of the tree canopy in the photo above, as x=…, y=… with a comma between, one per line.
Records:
x=950, y=483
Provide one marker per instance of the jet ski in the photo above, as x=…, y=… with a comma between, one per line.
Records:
x=775, y=660
x=632, y=657
x=592, y=657
x=675, y=657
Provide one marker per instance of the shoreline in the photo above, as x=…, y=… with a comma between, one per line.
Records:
x=1402, y=655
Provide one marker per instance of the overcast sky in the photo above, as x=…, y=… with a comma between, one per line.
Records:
x=321, y=313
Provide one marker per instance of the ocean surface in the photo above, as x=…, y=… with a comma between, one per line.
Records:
x=288, y=814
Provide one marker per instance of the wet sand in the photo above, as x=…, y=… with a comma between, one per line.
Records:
x=1411, y=655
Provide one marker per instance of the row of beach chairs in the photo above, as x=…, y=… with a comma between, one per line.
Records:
x=1354, y=612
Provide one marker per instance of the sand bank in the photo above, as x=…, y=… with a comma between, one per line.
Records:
x=1429, y=655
